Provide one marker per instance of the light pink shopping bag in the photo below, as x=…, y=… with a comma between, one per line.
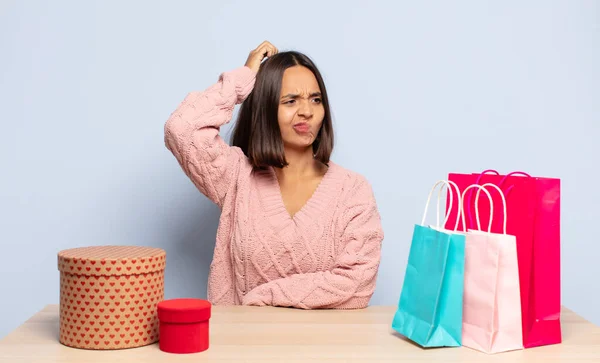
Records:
x=491, y=302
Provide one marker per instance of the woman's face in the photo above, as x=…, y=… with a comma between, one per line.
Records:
x=301, y=110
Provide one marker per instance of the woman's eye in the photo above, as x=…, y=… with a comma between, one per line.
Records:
x=290, y=102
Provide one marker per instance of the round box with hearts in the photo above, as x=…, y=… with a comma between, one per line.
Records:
x=109, y=296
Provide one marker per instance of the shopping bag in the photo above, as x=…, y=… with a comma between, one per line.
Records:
x=533, y=207
x=430, y=306
x=491, y=301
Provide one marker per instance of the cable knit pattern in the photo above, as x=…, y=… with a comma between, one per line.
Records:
x=325, y=256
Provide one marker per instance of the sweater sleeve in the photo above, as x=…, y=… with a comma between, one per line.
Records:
x=351, y=282
x=192, y=133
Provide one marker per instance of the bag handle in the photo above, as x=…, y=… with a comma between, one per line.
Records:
x=481, y=188
x=470, y=216
x=447, y=183
x=459, y=204
x=488, y=171
x=491, y=210
x=514, y=173
x=510, y=174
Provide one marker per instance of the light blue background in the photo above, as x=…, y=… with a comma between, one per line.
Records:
x=418, y=89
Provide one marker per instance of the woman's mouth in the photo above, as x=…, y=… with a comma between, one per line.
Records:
x=302, y=127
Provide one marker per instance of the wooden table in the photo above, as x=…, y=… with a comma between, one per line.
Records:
x=266, y=334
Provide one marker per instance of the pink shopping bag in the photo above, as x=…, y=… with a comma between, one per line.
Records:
x=533, y=209
x=491, y=302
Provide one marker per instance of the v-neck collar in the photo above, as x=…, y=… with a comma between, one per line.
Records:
x=274, y=206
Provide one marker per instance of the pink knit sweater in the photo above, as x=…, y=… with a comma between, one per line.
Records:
x=325, y=256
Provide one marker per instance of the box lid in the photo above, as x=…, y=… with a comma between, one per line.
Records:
x=111, y=260
x=184, y=310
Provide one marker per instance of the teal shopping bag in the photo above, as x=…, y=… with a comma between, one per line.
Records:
x=430, y=306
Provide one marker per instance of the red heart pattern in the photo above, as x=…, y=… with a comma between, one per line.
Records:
x=88, y=313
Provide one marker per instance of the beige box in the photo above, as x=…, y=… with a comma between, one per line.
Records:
x=109, y=296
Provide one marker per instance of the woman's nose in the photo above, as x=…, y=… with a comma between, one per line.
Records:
x=305, y=109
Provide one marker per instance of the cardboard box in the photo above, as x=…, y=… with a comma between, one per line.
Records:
x=109, y=296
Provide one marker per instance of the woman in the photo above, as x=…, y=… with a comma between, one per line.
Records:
x=296, y=230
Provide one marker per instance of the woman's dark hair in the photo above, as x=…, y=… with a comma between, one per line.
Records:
x=257, y=130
